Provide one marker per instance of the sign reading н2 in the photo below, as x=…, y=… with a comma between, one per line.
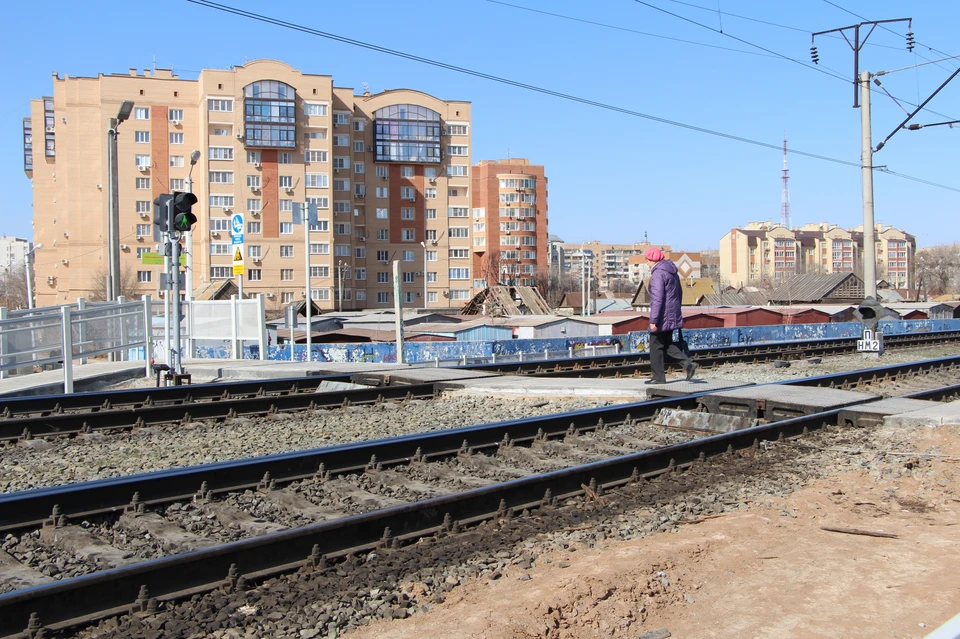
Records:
x=872, y=342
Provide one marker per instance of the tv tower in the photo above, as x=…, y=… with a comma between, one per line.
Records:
x=785, y=197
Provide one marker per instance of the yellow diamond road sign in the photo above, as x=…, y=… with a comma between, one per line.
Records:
x=237, y=256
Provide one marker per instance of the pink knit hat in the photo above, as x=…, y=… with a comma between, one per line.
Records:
x=654, y=255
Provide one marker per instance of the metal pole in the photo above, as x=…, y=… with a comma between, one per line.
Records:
x=583, y=282
x=339, y=285
x=398, y=309
x=175, y=294
x=113, y=214
x=66, y=331
x=147, y=334
x=866, y=162
x=589, y=286
x=424, y=245
x=26, y=274
x=309, y=298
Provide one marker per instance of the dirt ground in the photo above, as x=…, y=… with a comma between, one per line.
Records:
x=768, y=571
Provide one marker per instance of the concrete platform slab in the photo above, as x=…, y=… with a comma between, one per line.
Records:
x=774, y=402
x=684, y=387
x=86, y=377
x=872, y=413
x=417, y=376
x=625, y=390
x=272, y=369
x=937, y=415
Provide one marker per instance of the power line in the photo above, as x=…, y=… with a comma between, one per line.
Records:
x=493, y=78
x=830, y=72
x=625, y=29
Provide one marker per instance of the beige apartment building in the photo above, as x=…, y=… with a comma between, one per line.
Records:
x=509, y=223
x=766, y=252
x=389, y=173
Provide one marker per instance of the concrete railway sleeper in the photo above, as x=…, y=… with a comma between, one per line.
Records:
x=144, y=588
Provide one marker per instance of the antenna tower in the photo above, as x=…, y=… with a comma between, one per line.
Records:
x=785, y=197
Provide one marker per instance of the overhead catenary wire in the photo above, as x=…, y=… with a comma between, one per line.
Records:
x=819, y=68
x=522, y=85
x=626, y=29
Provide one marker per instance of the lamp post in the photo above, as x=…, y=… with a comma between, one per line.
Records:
x=340, y=266
x=424, y=245
x=28, y=275
x=188, y=292
x=113, y=202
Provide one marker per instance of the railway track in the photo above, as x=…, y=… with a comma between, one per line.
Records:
x=378, y=472
x=66, y=415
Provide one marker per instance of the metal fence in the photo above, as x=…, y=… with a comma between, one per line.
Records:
x=45, y=338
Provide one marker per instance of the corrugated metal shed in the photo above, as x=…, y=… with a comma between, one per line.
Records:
x=478, y=330
x=744, y=316
x=739, y=297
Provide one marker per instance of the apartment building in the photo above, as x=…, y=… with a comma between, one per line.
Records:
x=12, y=253
x=609, y=262
x=768, y=252
x=388, y=172
x=509, y=223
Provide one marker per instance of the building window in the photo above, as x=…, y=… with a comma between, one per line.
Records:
x=430, y=193
x=319, y=271
x=319, y=248
x=142, y=206
x=221, y=201
x=286, y=205
x=432, y=297
x=408, y=235
x=383, y=235
x=322, y=226
x=341, y=250
x=407, y=213
x=358, y=125
x=221, y=272
x=143, y=161
x=383, y=192
x=360, y=273
x=341, y=185
x=458, y=231
x=310, y=108
x=141, y=137
x=408, y=256
x=341, y=118
x=341, y=163
x=315, y=180
x=176, y=184
x=221, y=131
x=286, y=297
x=431, y=256
x=359, y=189
x=220, y=152
x=457, y=253
x=341, y=228
x=219, y=105
x=383, y=297
x=383, y=256
x=176, y=138
x=408, y=193
x=341, y=206
x=358, y=167
x=431, y=277
x=459, y=274
x=455, y=129
x=254, y=228
x=253, y=157
x=408, y=277
x=286, y=228
x=430, y=214
x=313, y=156
x=341, y=140
x=144, y=230
x=407, y=133
x=383, y=277
x=218, y=177
x=459, y=294
x=176, y=161
x=141, y=251
x=452, y=192
x=176, y=116
x=286, y=250
x=253, y=182
x=286, y=275
x=382, y=214
x=286, y=181
x=255, y=275
x=270, y=114
x=457, y=149
x=358, y=146
x=141, y=113
x=458, y=211
x=254, y=251
x=381, y=171
x=430, y=235
x=456, y=170
x=143, y=184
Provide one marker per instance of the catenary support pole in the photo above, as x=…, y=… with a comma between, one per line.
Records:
x=398, y=310
x=866, y=161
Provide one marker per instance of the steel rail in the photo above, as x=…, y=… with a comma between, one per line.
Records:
x=75, y=423
x=88, y=598
x=136, y=397
x=32, y=508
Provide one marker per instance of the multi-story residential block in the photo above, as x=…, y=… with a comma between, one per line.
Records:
x=509, y=223
x=609, y=262
x=387, y=172
x=12, y=252
x=767, y=252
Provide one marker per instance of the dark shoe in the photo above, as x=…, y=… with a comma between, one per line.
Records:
x=691, y=369
x=655, y=381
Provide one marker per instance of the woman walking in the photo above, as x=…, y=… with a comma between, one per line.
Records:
x=665, y=317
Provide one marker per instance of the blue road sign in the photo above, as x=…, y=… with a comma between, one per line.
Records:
x=238, y=239
x=236, y=226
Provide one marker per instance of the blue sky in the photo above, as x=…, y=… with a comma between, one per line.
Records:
x=613, y=177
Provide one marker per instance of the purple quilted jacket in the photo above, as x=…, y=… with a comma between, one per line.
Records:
x=665, y=297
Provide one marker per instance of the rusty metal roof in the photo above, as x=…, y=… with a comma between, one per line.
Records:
x=813, y=288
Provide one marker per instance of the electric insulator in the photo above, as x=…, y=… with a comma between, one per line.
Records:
x=814, y=56
x=910, y=41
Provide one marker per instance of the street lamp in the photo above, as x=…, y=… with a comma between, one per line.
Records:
x=424, y=245
x=188, y=293
x=28, y=275
x=113, y=202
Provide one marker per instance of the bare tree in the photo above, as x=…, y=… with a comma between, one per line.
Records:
x=937, y=269
x=621, y=286
x=13, y=288
x=129, y=286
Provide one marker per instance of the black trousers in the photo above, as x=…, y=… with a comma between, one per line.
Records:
x=662, y=347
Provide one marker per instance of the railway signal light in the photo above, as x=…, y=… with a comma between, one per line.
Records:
x=183, y=217
x=161, y=212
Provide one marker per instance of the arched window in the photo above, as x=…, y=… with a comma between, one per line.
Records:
x=270, y=114
x=407, y=133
